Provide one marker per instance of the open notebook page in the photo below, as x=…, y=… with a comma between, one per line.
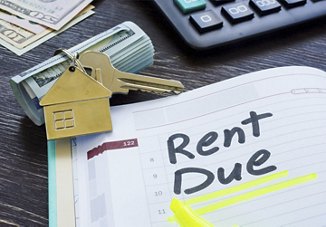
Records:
x=249, y=151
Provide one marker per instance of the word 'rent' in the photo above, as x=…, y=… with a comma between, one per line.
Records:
x=205, y=147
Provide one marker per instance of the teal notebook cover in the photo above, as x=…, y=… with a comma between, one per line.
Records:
x=52, y=192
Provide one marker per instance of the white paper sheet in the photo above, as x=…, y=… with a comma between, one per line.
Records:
x=127, y=177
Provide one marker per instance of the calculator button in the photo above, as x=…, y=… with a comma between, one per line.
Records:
x=237, y=12
x=293, y=3
x=219, y=2
x=264, y=7
x=188, y=6
x=206, y=21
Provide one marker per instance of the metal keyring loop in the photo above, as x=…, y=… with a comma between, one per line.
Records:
x=73, y=57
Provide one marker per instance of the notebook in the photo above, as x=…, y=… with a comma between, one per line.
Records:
x=249, y=151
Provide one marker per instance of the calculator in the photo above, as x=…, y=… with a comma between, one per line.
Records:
x=205, y=24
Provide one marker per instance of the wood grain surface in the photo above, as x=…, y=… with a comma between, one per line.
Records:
x=23, y=150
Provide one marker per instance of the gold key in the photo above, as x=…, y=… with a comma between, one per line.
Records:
x=121, y=82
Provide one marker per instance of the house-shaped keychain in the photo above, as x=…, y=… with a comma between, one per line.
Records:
x=76, y=105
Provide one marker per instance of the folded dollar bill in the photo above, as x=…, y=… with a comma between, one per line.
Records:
x=50, y=13
x=128, y=47
x=28, y=34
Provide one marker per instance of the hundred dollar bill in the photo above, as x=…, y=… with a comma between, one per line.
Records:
x=21, y=22
x=30, y=25
x=51, y=13
x=19, y=40
x=129, y=48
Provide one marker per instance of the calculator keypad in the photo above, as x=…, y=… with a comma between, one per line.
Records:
x=218, y=2
x=204, y=24
x=293, y=3
x=237, y=12
x=206, y=21
x=187, y=6
x=265, y=7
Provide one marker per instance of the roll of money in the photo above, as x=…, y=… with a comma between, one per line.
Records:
x=127, y=45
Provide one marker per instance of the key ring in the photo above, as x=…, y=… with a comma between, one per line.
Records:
x=73, y=57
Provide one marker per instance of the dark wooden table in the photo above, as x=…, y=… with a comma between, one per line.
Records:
x=23, y=150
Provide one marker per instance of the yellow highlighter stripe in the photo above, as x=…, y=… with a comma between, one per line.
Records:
x=255, y=193
x=234, y=189
x=185, y=216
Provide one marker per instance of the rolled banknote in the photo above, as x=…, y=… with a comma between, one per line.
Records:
x=129, y=48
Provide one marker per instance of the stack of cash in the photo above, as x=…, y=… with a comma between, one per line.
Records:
x=128, y=47
x=24, y=24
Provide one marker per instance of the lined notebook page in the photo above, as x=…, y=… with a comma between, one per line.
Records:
x=249, y=151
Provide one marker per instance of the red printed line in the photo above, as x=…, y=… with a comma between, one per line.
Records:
x=111, y=146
